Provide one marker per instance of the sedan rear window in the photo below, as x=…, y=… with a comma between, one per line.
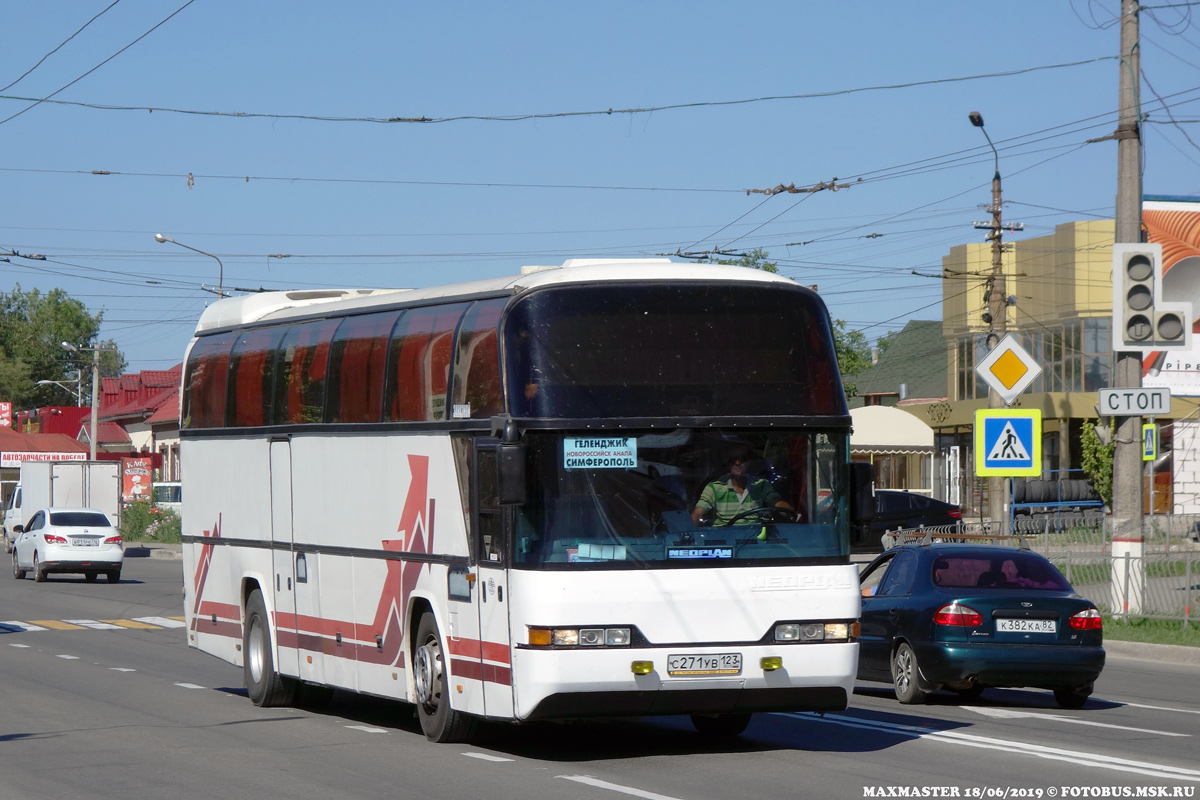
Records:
x=79, y=519
x=1006, y=571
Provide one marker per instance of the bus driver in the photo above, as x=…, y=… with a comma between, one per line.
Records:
x=732, y=495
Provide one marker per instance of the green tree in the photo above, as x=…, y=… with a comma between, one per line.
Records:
x=32, y=327
x=1097, y=461
x=853, y=349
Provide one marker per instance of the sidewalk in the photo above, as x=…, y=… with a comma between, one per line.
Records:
x=1165, y=653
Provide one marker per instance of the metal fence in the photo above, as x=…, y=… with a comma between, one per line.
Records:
x=1162, y=583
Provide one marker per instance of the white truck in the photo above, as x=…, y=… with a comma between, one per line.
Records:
x=91, y=484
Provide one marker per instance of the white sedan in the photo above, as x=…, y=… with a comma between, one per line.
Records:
x=80, y=540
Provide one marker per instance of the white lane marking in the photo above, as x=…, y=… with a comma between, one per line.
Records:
x=69, y=658
x=486, y=757
x=161, y=622
x=1156, y=708
x=988, y=743
x=123, y=669
x=1004, y=713
x=616, y=787
x=14, y=644
x=189, y=686
x=22, y=626
x=366, y=728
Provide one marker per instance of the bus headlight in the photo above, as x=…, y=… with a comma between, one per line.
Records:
x=804, y=632
x=579, y=637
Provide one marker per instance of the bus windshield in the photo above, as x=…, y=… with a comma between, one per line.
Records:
x=683, y=498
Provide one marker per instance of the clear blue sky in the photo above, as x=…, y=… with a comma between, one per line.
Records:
x=370, y=204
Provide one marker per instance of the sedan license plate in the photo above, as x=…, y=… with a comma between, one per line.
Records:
x=711, y=664
x=79, y=541
x=1026, y=626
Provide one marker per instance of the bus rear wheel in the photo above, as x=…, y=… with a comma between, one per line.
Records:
x=265, y=686
x=439, y=721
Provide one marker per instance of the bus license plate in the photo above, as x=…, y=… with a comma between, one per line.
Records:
x=1026, y=626
x=710, y=664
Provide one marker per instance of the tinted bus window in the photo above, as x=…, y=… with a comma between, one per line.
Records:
x=251, y=376
x=419, y=363
x=204, y=384
x=476, y=393
x=685, y=349
x=301, y=369
x=359, y=362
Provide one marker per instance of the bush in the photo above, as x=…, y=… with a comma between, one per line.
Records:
x=144, y=522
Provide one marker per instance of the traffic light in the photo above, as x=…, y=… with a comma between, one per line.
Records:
x=1142, y=320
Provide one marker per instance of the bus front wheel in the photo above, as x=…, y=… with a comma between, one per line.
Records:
x=265, y=686
x=439, y=721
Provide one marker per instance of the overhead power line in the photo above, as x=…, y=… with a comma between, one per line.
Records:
x=428, y=120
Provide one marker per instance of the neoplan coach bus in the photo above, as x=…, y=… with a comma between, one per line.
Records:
x=479, y=498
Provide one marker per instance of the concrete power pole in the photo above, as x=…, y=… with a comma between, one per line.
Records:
x=997, y=305
x=1127, y=460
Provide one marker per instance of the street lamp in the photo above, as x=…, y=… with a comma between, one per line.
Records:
x=158, y=237
x=996, y=317
x=95, y=393
x=78, y=396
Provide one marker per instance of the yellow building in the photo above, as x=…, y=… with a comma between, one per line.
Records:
x=1060, y=309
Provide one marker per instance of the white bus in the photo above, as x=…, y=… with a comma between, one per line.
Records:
x=479, y=498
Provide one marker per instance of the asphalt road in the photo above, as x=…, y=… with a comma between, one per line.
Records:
x=124, y=709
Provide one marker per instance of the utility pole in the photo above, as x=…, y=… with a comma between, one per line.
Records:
x=997, y=319
x=1127, y=535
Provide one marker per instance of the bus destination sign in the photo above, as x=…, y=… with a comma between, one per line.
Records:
x=598, y=452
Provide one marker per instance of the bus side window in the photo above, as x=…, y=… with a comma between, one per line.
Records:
x=251, y=377
x=300, y=382
x=358, y=363
x=204, y=383
x=489, y=527
x=419, y=364
x=476, y=389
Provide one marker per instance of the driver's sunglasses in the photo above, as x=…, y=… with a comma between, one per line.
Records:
x=738, y=460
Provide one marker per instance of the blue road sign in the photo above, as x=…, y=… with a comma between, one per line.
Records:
x=1008, y=442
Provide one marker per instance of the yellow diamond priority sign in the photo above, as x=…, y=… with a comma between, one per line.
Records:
x=1008, y=369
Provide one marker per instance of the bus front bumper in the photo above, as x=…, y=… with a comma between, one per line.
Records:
x=579, y=683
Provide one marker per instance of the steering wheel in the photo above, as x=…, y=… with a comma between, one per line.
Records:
x=771, y=510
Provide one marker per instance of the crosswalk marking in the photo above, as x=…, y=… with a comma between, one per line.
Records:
x=14, y=626
x=162, y=622
x=57, y=625
x=93, y=624
x=137, y=623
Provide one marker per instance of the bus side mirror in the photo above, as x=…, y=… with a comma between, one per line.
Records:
x=510, y=464
x=862, y=493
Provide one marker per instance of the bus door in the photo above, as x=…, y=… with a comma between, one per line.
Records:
x=282, y=577
x=491, y=597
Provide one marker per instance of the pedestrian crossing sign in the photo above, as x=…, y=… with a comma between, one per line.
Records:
x=1008, y=442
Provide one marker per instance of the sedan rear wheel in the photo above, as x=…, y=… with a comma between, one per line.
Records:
x=18, y=573
x=39, y=570
x=113, y=575
x=1072, y=696
x=906, y=676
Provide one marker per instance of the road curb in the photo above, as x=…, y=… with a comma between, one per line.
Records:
x=153, y=550
x=1142, y=651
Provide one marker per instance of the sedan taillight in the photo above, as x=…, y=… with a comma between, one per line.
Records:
x=954, y=513
x=113, y=540
x=958, y=615
x=52, y=538
x=1089, y=620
